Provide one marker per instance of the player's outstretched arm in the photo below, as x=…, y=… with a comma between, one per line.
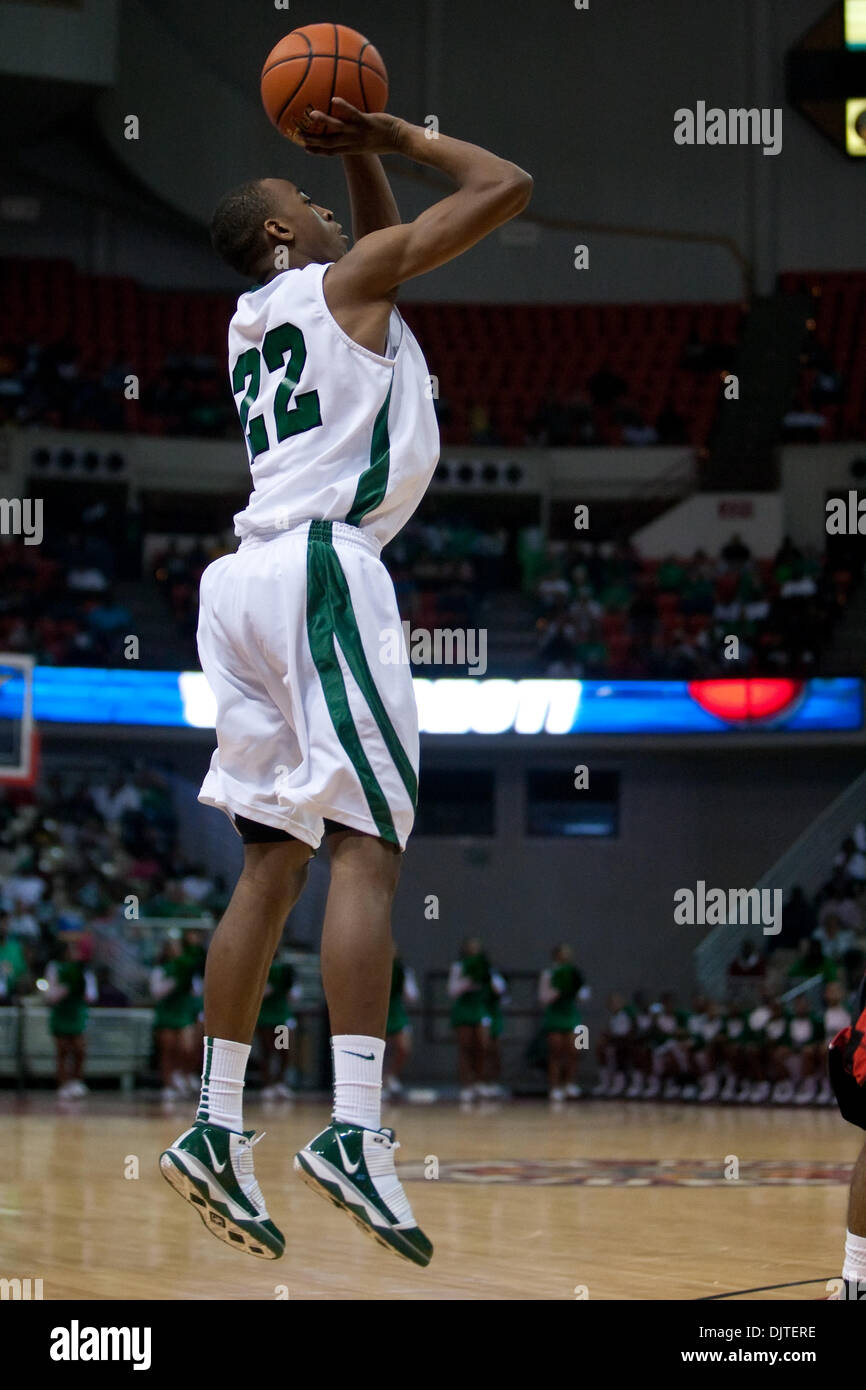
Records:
x=489, y=192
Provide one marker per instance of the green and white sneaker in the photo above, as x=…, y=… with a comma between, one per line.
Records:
x=354, y=1168
x=212, y=1169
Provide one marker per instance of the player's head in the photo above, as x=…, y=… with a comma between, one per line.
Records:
x=562, y=953
x=269, y=225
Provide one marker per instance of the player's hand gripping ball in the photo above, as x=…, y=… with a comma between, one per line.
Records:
x=311, y=66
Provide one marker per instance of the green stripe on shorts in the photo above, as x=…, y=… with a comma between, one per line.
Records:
x=322, y=627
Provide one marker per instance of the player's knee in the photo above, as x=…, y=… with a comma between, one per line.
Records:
x=277, y=870
x=366, y=860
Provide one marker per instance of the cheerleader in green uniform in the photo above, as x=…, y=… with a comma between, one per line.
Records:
x=171, y=987
x=559, y=988
x=398, y=1029
x=71, y=987
x=196, y=951
x=494, y=1024
x=282, y=995
x=468, y=986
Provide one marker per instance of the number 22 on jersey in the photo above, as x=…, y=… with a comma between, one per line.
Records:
x=282, y=346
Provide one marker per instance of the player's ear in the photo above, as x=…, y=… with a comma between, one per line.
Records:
x=279, y=231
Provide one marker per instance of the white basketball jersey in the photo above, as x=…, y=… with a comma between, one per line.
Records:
x=334, y=432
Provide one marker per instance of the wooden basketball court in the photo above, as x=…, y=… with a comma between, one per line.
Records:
x=624, y=1201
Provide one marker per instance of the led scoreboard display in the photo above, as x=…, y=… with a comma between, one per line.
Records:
x=462, y=705
x=855, y=23
x=825, y=75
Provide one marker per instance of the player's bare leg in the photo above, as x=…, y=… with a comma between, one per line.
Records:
x=245, y=942
x=357, y=948
x=211, y=1164
x=352, y=1161
x=854, y=1267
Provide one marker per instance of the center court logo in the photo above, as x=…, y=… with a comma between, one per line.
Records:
x=738, y=907
x=438, y=646
x=77, y=1343
x=736, y=126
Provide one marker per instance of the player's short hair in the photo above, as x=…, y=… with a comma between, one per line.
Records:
x=236, y=227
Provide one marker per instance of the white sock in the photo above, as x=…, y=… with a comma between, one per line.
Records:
x=222, y=1084
x=854, y=1267
x=358, y=1079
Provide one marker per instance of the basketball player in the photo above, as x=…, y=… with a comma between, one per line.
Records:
x=317, y=736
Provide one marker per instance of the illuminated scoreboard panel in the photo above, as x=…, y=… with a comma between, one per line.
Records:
x=855, y=107
x=855, y=23
x=465, y=705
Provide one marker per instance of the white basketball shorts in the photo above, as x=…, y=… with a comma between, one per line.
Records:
x=316, y=719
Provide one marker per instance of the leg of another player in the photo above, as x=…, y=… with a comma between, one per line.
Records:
x=854, y=1268
x=400, y=1046
x=60, y=1052
x=357, y=956
x=238, y=962
x=569, y=1061
x=77, y=1050
x=466, y=1058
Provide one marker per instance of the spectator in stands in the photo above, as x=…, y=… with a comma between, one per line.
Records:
x=635, y=431
x=643, y=613
x=736, y=553
x=670, y=426
x=13, y=962
x=552, y=424
x=196, y=884
x=684, y=657
x=23, y=923
x=748, y=963
x=606, y=386
x=481, y=426
x=838, y=901
x=697, y=595
x=616, y=1047
x=836, y=1015
x=799, y=919
x=24, y=887
x=852, y=861
x=812, y=962
x=670, y=575
x=557, y=650
x=585, y=613
x=113, y=799
x=109, y=622
x=836, y=940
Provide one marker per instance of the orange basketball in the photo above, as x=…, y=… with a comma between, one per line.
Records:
x=310, y=66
